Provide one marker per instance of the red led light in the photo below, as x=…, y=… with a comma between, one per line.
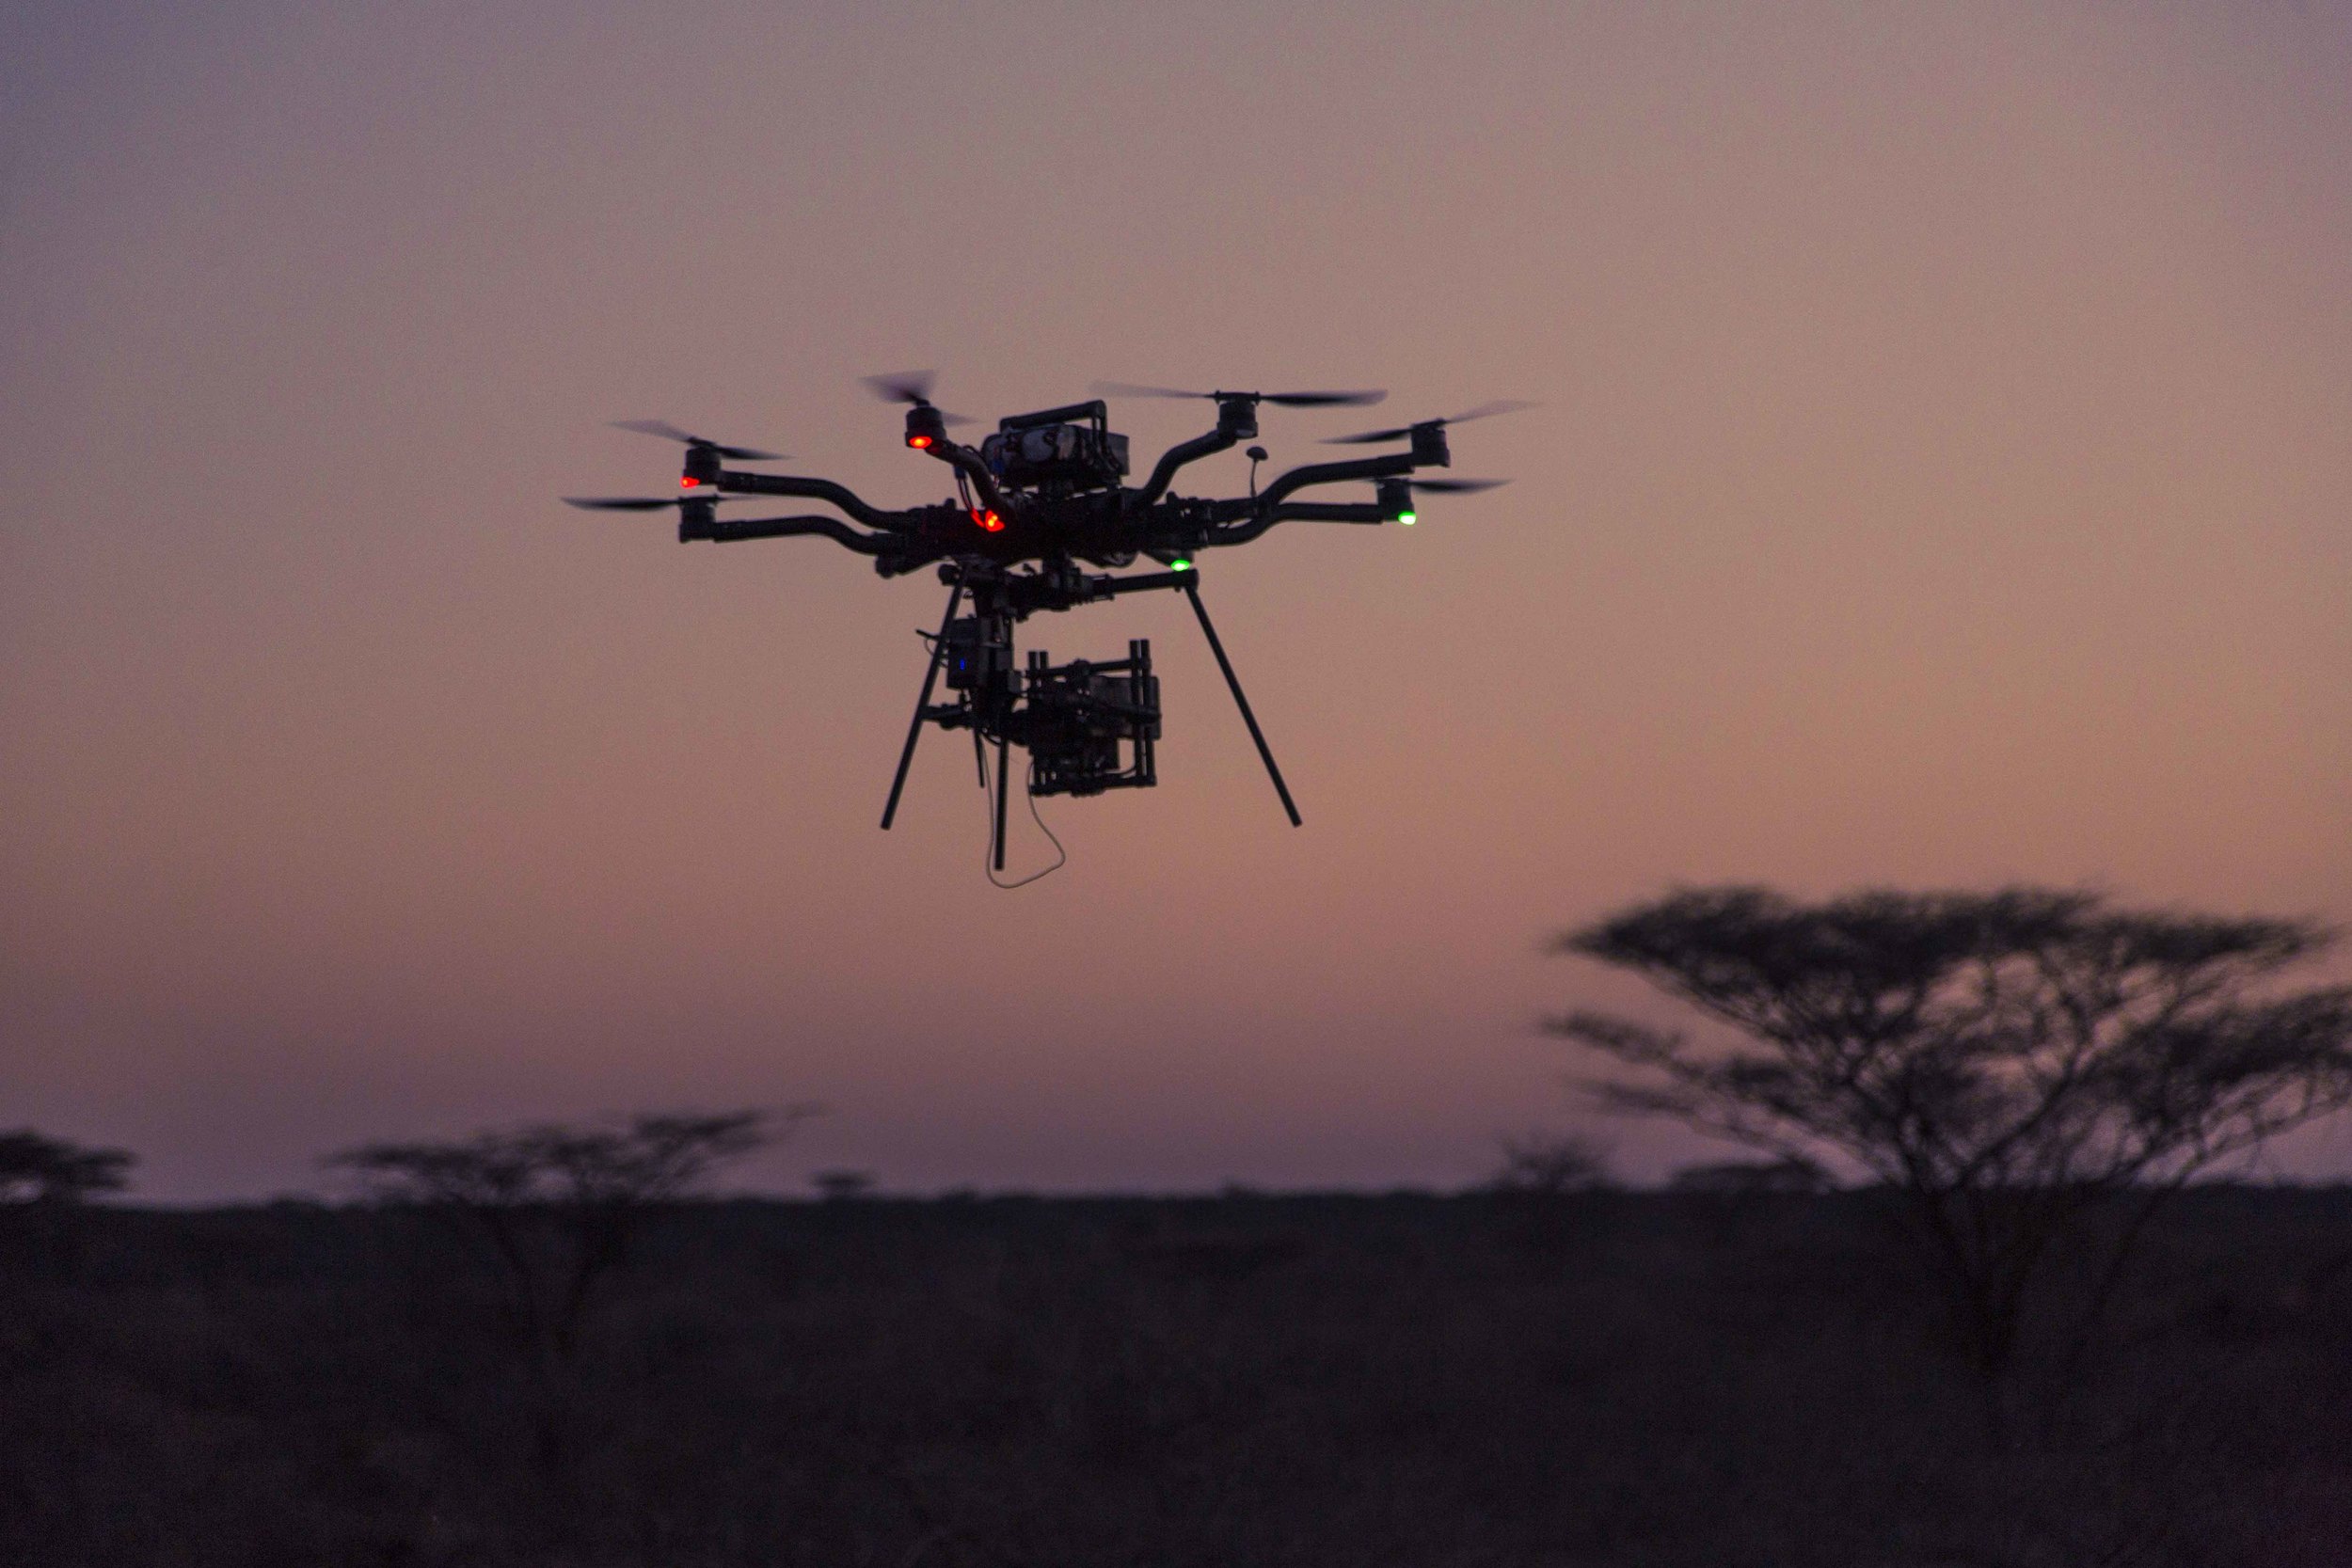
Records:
x=987, y=520
x=918, y=442
x=688, y=482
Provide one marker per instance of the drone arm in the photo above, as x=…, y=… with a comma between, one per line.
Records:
x=811, y=489
x=1242, y=522
x=1300, y=511
x=1333, y=512
x=969, y=462
x=1385, y=466
x=1164, y=472
x=726, y=531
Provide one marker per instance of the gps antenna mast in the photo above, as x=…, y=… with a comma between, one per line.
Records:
x=1192, y=591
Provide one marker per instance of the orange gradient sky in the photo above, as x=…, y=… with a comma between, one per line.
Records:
x=1944, y=477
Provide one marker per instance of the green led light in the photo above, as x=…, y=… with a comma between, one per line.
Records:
x=1409, y=518
x=1181, y=564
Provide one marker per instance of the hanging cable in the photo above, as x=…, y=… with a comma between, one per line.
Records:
x=988, y=855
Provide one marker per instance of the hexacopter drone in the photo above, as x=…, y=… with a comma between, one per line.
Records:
x=1034, y=500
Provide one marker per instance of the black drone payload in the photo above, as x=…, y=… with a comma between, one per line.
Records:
x=1091, y=727
x=1088, y=725
x=1063, y=451
x=1041, y=495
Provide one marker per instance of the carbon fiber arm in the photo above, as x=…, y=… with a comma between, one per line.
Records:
x=1175, y=457
x=813, y=489
x=726, y=531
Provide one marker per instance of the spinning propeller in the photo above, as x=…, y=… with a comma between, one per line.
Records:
x=1484, y=410
x=1396, y=493
x=927, y=425
x=1285, y=400
x=913, y=388
x=1453, y=486
x=651, y=503
x=669, y=432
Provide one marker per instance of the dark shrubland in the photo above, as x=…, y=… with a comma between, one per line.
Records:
x=46, y=1186
x=1261, y=1380
x=543, y=1347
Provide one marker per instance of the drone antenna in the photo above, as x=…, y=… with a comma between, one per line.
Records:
x=1256, y=456
x=1192, y=591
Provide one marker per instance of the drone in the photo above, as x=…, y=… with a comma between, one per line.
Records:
x=1036, y=503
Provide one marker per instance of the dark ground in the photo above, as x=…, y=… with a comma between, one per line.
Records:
x=1606, y=1378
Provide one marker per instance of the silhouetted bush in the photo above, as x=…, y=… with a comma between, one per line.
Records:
x=841, y=1186
x=1790, y=1173
x=551, y=1213
x=36, y=1168
x=1551, y=1164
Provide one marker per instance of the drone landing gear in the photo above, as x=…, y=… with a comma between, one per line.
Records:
x=1087, y=726
x=1192, y=591
x=1004, y=794
x=922, y=710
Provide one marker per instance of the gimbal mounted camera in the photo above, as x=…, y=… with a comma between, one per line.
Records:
x=1041, y=495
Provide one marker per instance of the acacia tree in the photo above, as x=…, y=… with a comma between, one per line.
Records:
x=36, y=1168
x=557, y=1207
x=2007, y=1062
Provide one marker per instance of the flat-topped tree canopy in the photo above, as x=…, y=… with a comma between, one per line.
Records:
x=2007, y=1060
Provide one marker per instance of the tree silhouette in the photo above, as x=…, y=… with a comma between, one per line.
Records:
x=553, y=1210
x=557, y=1207
x=36, y=1168
x=1552, y=1165
x=2007, y=1062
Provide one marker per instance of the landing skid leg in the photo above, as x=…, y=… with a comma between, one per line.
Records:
x=915, y=730
x=1003, y=795
x=1192, y=591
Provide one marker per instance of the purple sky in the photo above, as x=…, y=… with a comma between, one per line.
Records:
x=1945, y=477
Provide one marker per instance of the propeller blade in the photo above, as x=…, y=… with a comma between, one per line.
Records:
x=1484, y=411
x=669, y=432
x=643, y=503
x=1287, y=400
x=1129, y=390
x=1488, y=410
x=1456, y=487
x=1328, y=399
x=909, y=387
x=912, y=387
x=662, y=428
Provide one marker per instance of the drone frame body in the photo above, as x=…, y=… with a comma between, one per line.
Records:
x=1037, y=498
x=1053, y=521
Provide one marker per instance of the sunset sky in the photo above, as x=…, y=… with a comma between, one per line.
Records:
x=1944, y=477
